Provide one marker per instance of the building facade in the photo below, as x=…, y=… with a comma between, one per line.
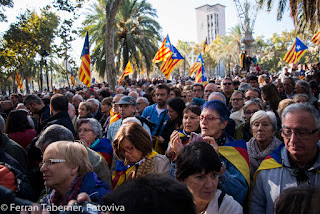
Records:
x=211, y=23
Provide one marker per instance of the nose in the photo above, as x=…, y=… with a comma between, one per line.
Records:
x=209, y=182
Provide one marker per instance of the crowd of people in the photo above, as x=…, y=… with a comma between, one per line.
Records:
x=240, y=144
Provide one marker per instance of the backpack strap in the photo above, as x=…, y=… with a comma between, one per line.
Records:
x=220, y=199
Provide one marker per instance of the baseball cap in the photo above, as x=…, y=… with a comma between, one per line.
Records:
x=127, y=100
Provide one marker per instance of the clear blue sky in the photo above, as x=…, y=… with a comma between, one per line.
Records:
x=177, y=18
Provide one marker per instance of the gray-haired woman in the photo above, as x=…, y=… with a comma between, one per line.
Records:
x=90, y=133
x=263, y=125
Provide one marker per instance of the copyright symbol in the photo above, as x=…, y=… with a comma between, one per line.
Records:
x=4, y=207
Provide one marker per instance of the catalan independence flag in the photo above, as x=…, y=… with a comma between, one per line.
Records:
x=19, y=79
x=72, y=78
x=316, y=38
x=296, y=51
x=236, y=153
x=128, y=70
x=271, y=161
x=205, y=45
x=173, y=61
x=85, y=71
x=164, y=52
x=197, y=65
x=201, y=76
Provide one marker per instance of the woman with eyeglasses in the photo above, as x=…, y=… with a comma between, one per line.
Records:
x=89, y=131
x=66, y=169
x=199, y=166
x=133, y=147
x=264, y=126
x=250, y=107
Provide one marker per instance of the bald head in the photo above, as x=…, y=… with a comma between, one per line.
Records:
x=210, y=87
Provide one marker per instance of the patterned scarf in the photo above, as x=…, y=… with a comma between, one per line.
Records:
x=255, y=156
x=72, y=193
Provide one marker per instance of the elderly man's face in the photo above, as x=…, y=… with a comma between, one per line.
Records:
x=301, y=144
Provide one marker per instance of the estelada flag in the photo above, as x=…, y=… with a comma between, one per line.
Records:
x=19, y=79
x=85, y=70
x=236, y=153
x=173, y=61
x=296, y=51
x=197, y=65
x=164, y=52
x=128, y=70
x=201, y=76
x=316, y=38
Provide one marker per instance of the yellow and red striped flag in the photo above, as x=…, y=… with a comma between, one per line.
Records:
x=85, y=71
x=19, y=79
x=296, y=51
x=72, y=78
x=164, y=52
x=316, y=38
x=197, y=65
x=173, y=61
x=128, y=70
x=205, y=45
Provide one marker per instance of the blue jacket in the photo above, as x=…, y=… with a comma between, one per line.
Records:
x=151, y=113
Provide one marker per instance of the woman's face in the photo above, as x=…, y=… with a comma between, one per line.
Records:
x=105, y=108
x=262, y=131
x=190, y=122
x=280, y=88
x=86, y=134
x=211, y=124
x=129, y=151
x=251, y=109
x=57, y=175
x=202, y=186
x=172, y=113
x=83, y=111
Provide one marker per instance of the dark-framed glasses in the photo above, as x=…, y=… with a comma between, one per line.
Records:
x=299, y=132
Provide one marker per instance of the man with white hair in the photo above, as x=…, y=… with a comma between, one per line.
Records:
x=296, y=163
x=95, y=108
x=76, y=100
x=217, y=96
x=142, y=103
x=120, y=90
x=134, y=94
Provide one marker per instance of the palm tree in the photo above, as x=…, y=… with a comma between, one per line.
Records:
x=135, y=38
x=305, y=13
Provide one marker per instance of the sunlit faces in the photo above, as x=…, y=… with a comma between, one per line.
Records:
x=162, y=97
x=237, y=101
x=305, y=147
x=262, y=131
x=127, y=110
x=86, y=134
x=190, y=122
x=211, y=124
x=59, y=175
x=198, y=91
x=129, y=152
x=82, y=109
x=202, y=186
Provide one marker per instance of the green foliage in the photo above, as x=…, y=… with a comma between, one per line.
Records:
x=135, y=38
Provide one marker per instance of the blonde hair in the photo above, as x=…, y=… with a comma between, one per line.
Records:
x=74, y=154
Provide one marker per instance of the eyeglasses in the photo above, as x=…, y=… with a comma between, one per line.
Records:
x=229, y=83
x=250, y=112
x=237, y=99
x=209, y=118
x=85, y=130
x=299, y=132
x=50, y=162
x=128, y=149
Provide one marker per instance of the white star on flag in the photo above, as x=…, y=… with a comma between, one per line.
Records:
x=298, y=47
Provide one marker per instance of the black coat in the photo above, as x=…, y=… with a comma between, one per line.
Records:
x=61, y=118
